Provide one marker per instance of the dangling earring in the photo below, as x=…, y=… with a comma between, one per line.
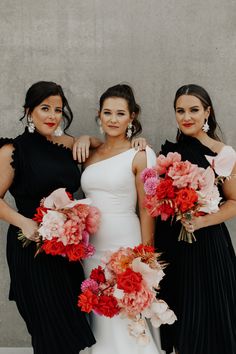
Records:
x=30, y=125
x=205, y=126
x=100, y=127
x=58, y=131
x=129, y=132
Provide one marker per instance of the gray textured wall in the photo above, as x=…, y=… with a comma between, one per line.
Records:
x=88, y=45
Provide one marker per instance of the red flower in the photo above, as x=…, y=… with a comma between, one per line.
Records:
x=142, y=248
x=98, y=275
x=165, y=189
x=53, y=247
x=107, y=306
x=75, y=252
x=165, y=211
x=186, y=199
x=87, y=301
x=129, y=281
x=40, y=212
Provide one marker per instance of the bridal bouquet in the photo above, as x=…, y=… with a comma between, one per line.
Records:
x=176, y=188
x=65, y=225
x=127, y=284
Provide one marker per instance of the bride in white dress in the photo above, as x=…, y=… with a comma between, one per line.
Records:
x=112, y=181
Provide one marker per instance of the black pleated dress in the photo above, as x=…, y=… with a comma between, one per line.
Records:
x=45, y=288
x=200, y=280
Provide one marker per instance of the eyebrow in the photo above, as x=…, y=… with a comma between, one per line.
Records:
x=48, y=105
x=189, y=107
x=119, y=110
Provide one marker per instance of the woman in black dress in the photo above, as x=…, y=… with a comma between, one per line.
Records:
x=33, y=165
x=200, y=279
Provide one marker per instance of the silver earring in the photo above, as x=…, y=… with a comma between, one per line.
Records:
x=129, y=131
x=205, y=126
x=100, y=127
x=30, y=125
x=58, y=131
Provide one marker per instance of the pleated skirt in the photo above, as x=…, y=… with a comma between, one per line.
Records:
x=45, y=289
x=200, y=286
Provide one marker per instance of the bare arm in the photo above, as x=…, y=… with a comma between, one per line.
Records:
x=146, y=221
x=227, y=209
x=8, y=214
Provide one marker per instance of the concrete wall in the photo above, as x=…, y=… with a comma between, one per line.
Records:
x=88, y=45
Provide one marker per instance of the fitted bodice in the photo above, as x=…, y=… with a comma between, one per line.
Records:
x=40, y=167
x=110, y=183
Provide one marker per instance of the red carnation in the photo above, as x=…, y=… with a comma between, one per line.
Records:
x=98, y=275
x=87, y=300
x=186, y=199
x=53, y=247
x=129, y=281
x=107, y=306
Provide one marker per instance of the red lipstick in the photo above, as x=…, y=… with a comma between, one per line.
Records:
x=50, y=124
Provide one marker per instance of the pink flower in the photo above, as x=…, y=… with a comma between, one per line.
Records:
x=164, y=162
x=134, y=303
x=57, y=199
x=150, y=185
x=92, y=220
x=148, y=173
x=52, y=225
x=89, y=251
x=89, y=284
x=185, y=174
x=119, y=261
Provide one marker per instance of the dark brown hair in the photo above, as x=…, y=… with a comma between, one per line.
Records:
x=203, y=96
x=41, y=90
x=126, y=92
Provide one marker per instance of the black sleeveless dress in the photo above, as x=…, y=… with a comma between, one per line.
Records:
x=200, y=279
x=45, y=288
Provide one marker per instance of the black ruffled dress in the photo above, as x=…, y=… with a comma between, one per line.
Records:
x=200, y=280
x=45, y=288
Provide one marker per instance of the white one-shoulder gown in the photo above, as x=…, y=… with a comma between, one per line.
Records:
x=110, y=184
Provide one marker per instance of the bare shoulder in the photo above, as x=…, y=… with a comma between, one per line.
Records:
x=6, y=151
x=65, y=140
x=217, y=146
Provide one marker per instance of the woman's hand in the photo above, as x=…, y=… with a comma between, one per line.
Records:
x=139, y=143
x=196, y=223
x=29, y=229
x=81, y=148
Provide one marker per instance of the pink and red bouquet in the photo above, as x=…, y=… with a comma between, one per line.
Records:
x=65, y=225
x=127, y=285
x=176, y=188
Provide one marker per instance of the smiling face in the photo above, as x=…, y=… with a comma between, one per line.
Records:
x=47, y=115
x=115, y=116
x=191, y=115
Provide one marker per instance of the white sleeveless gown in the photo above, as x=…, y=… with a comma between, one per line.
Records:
x=110, y=184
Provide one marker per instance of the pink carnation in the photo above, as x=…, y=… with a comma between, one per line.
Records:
x=148, y=173
x=150, y=185
x=89, y=284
